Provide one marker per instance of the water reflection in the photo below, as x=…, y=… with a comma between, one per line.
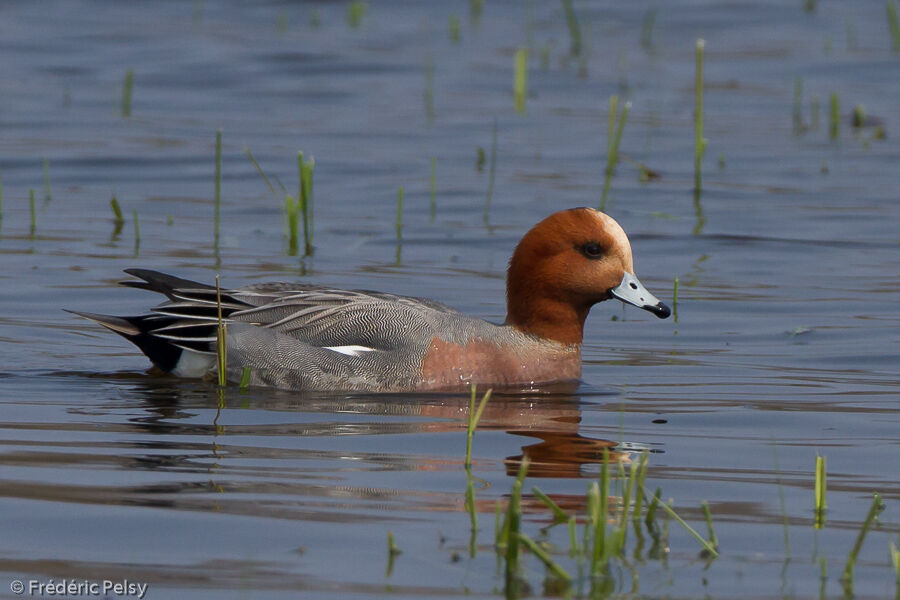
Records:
x=552, y=418
x=283, y=455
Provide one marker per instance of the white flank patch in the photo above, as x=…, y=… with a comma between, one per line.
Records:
x=350, y=350
x=193, y=364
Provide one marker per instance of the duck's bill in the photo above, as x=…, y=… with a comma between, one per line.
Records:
x=631, y=291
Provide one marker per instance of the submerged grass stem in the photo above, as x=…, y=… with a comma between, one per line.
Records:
x=259, y=170
x=612, y=155
x=847, y=576
x=221, y=349
x=545, y=558
x=574, y=29
x=706, y=545
x=46, y=169
x=893, y=25
x=305, y=169
x=675, y=300
x=31, y=209
x=127, y=86
x=699, y=141
x=474, y=418
x=821, y=487
x=520, y=80
x=834, y=111
x=117, y=211
x=218, y=189
x=432, y=191
x=492, y=170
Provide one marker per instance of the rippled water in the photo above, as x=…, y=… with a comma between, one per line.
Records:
x=786, y=343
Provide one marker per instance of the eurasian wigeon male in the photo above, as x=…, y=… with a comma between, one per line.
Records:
x=308, y=337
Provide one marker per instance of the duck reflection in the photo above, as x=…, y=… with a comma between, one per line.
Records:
x=549, y=419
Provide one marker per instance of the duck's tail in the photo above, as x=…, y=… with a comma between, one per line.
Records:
x=139, y=331
x=179, y=337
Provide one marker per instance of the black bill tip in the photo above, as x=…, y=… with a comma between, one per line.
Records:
x=660, y=310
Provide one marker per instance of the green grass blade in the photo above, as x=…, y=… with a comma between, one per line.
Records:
x=127, y=86
x=699, y=141
x=221, y=348
x=432, y=191
x=559, y=515
x=847, y=576
x=706, y=545
x=574, y=30
x=713, y=540
x=520, y=80
x=821, y=505
x=218, y=188
x=259, y=170
x=474, y=418
x=544, y=557
x=117, y=210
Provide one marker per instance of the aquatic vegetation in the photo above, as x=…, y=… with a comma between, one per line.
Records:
x=797, y=112
x=432, y=190
x=356, y=11
x=221, y=340
x=281, y=23
x=675, y=300
x=292, y=216
x=858, y=116
x=217, y=194
x=834, y=120
x=474, y=418
x=847, y=576
x=820, y=504
x=480, y=159
x=259, y=170
x=895, y=561
x=699, y=140
x=509, y=546
x=305, y=169
x=118, y=219
x=46, y=170
x=127, y=86
x=520, y=79
x=605, y=536
x=574, y=29
x=492, y=171
x=429, y=88
x=398, y=223
x=137, y=231
x=453, y=24
x=476, y=7
x=647, y=25
x=614, y=137
x=393, y=552
x=893, y=25
x=33, y=227
x=544, y=54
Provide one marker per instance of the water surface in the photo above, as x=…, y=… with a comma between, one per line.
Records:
x=786, y=342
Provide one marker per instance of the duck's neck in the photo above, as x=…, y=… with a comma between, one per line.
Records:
x=549, y=318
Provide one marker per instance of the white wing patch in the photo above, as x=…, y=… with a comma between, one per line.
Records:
x=350, y=350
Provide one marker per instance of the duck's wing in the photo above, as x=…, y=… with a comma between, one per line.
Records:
x=309, y=328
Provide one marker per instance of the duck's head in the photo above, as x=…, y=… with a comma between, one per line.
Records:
x=567, y=263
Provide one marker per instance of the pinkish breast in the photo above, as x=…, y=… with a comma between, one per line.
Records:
x=447, y=365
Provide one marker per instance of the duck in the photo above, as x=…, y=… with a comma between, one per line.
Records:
x=321, y=339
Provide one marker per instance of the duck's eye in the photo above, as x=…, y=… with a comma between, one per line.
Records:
x=591, y=250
